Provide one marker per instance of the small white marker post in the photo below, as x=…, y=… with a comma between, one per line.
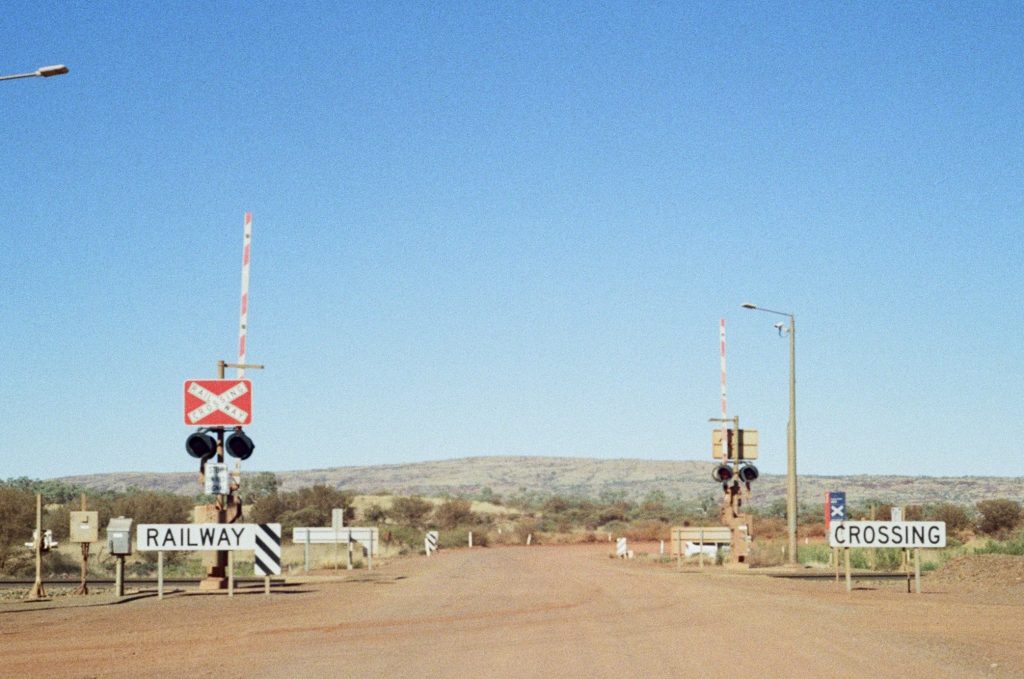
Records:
x=529, y=538
x=471, y=539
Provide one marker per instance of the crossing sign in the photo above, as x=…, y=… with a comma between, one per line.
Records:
x=218, y=403
x=835, y=507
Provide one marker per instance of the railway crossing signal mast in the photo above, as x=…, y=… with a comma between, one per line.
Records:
x=217, y=407
x=736, y=448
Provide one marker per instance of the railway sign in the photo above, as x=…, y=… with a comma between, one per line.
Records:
x=835, y=507
x=218, y=403
x=191, y=537
x=898, y=534
x=262, y=538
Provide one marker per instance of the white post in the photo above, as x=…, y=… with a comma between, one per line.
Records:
x=160, y=575
x=529, y=538
x=662, y=552
x=471, y=539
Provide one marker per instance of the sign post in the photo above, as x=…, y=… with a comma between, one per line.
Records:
x=38, y=591
x=905, y=535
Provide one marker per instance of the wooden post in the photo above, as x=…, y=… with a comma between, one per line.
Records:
x=849, y=581
x=700, y=546
x=37, y=591
x=307, y=551
x=905, y=565
x=266, y=585
x=349, y=566
x=83, y=587
x=835, y=560
x=917, y=569
x=160, y=574
x=231, y=573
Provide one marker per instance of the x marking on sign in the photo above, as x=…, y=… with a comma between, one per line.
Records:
x=221, y=402
x=837, y=511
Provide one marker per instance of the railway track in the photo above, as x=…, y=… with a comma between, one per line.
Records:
x=25, y=583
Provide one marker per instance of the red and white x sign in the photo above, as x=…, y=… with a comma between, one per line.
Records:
x=218, y=403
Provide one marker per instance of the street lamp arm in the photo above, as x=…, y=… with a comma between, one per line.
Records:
x=748, y=305
x=44, y=72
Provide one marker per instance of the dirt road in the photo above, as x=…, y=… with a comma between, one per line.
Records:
x=527, y=612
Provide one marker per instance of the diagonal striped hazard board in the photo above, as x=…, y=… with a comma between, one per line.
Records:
x=268, y=549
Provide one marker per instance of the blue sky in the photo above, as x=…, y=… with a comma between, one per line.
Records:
x=512, y=228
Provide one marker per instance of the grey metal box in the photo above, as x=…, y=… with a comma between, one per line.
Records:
x=119, y=536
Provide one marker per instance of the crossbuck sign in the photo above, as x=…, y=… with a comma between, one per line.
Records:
x=218, y=403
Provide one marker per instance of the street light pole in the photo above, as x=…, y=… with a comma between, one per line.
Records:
x=791, y=491
x=44, y=72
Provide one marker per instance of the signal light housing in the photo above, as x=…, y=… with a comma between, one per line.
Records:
x=239, y=445
x=201, y=445
x=748, y=473
x=722, y=473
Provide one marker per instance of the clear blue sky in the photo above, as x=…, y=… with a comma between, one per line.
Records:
x=512, y=228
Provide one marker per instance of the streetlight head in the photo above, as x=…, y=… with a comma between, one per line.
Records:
x=47, y=71
x=748, y=305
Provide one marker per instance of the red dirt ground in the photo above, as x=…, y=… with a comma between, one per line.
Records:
x=565, y=611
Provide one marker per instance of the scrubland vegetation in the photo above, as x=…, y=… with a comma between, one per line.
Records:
x=990, y=526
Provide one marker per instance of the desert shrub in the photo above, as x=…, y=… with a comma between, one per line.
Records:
x=375, y=514
x=148, y=506
x=255, y=487
x=647, y=531
x=452, y=513
x=914, y=513
x=410, y=511
x=998, y=517
x=17, y=521
x=311, y=506
x=956, y=518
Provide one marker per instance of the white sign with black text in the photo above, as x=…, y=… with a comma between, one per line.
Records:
x=898, y=534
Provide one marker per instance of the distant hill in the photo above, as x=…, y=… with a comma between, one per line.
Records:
x=686, y=479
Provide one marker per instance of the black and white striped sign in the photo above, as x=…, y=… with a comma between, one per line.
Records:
x=430, y=543
x=268, y=549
